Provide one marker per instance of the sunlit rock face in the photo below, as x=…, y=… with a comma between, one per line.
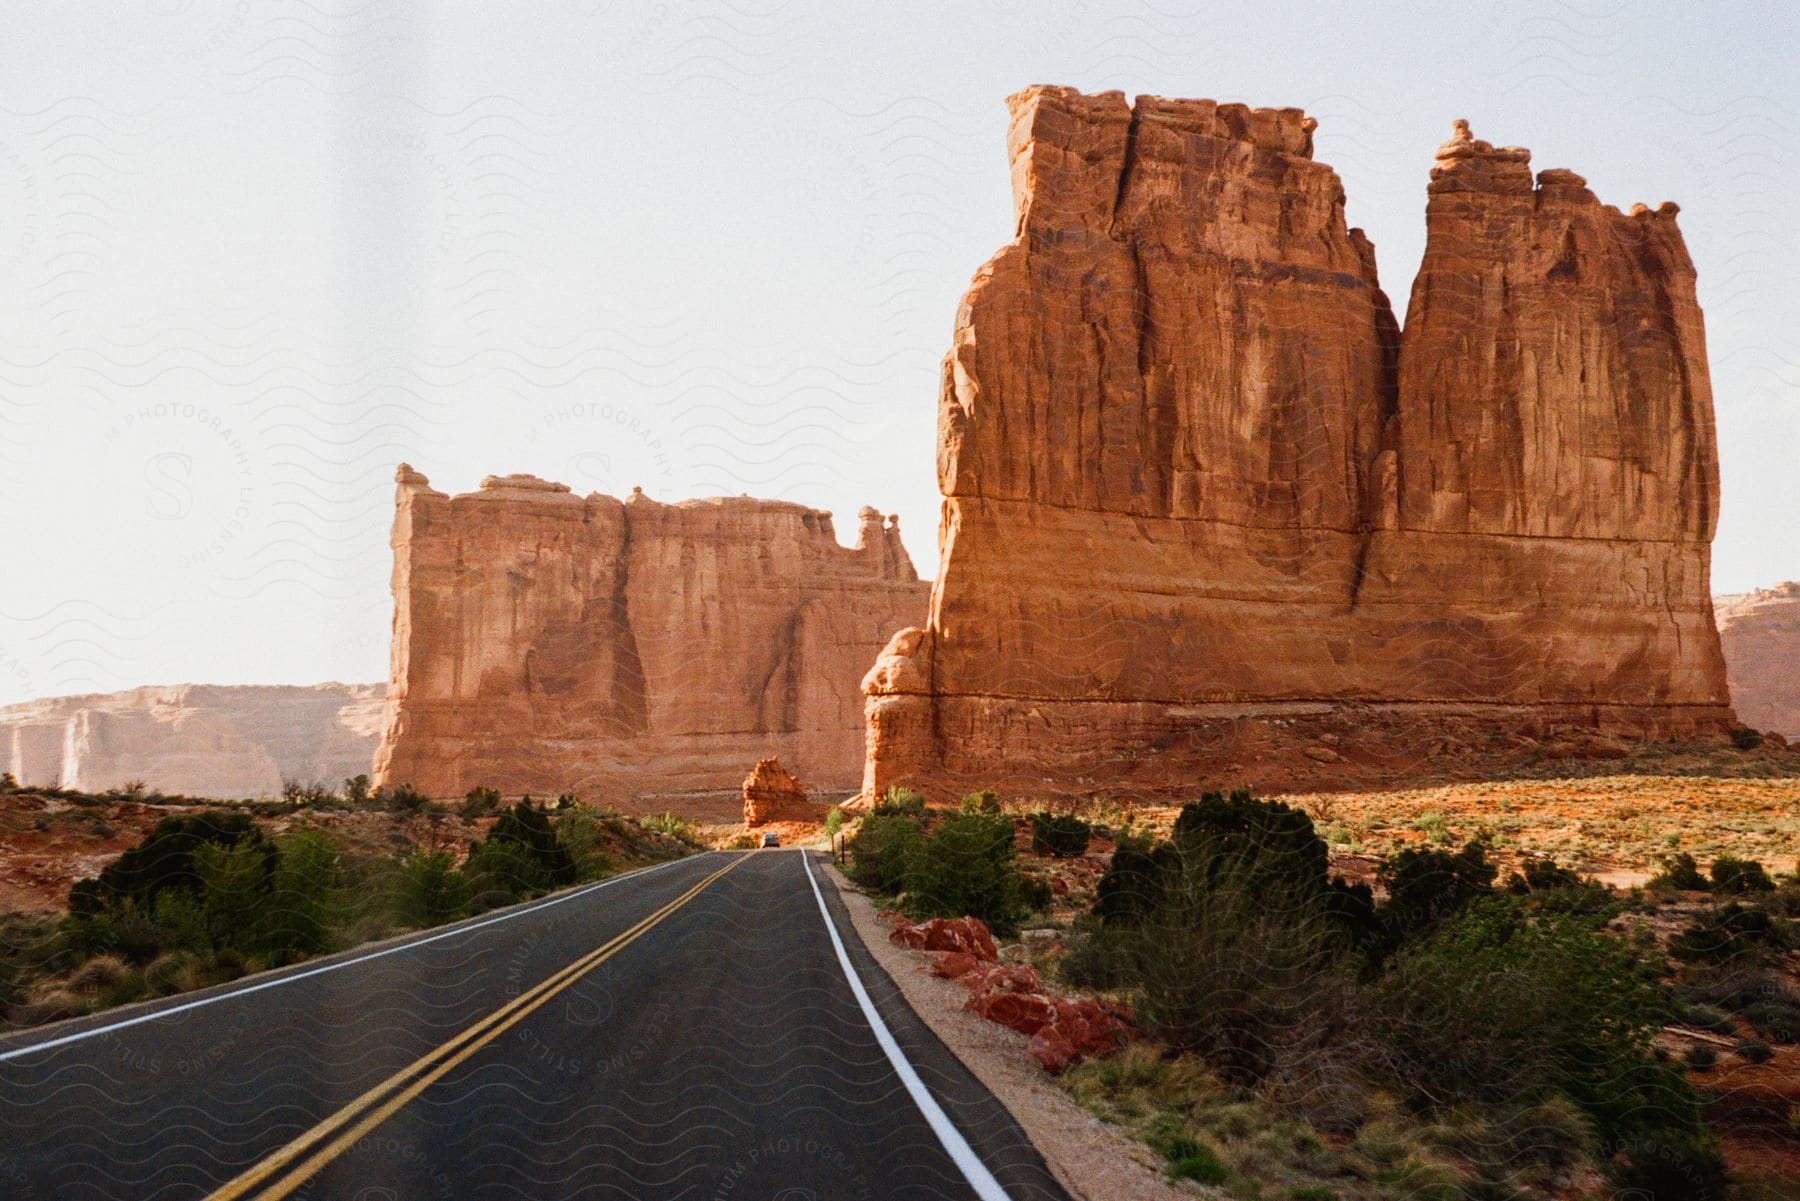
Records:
x=1195, y=475
x=214, y=740
x=1761, y=632
x=545, y=642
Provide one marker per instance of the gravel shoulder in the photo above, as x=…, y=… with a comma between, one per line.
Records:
x=1089, y=1158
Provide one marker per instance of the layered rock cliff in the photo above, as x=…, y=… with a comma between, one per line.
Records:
x=545, y=642
x=1761, y=633
x=1194, y=474
x=194, y=739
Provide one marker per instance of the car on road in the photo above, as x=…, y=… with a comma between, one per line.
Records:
x=771, y=839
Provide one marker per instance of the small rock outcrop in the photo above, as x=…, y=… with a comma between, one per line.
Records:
x=773, y=794
x=213, y=740
x=1761, y=633
x=545, y=642
x=1198, y=484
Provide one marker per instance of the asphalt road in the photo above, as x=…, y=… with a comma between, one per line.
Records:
x=670, y=1034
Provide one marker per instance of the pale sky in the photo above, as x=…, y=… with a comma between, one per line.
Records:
x=253, y=254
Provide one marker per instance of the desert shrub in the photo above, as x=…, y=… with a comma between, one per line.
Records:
x=8, y=782
x=404, y=798
x=1734, y=877
x=356, y=789
x=1753, y=1050
x=678, y=828
x=899, y=801
x=879, y=853
x=985, y=801
x=1653, y=1168
x=1679, y=872
x=1035, y=892
x=1062, y=835
x=305, y=900
x=428, y=890
x=235, y=883
x=583, y=837
x=501, y=872
x=1427, y=886
x=1728, y=933
x=1190, y=1159
x=1132, y=884
x=1497, y=1005
x=1700, y=1057
x=480, y=802
x=1099, y=957
x=528, y=827
x=1238, y=827
x=314, y=793
x=165, y=859
x=1744, y=738
x=966, y=866
x=1542, y=875
x=1705, y=1017
x=1776, y=1017
x=834, y=821
x=1236, y=961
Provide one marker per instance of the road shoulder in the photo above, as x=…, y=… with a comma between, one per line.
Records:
x=1088, y=1158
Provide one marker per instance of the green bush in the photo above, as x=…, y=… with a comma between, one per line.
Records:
x=1238, y=963
x=480, y=802
x=1734, y=877
x=502, y=871
x=1498, y=1005
x=1190, y=1159
x=166, y=859
x=584, y=838
x=1062, y=835
x=404, y=798
x=1700, y=1057
x=1427, y=886
x=985, y=801
x=528, y=827
x=1280, y=838
x=834, y=821
x=1679, y=872
x=678, y=828
x=1730, y=933
x=356, y=789
x=966, y=866
x=305, y=901
x=899, y=801
x=428, y=890
x=1754, y=1050
x=1746, y=739
x=1677, y=1168
x=884, y=844
x=1543, y=875
x=1132, y=885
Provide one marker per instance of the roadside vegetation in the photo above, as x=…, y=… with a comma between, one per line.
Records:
x=1438, y=1030
x=212, y=894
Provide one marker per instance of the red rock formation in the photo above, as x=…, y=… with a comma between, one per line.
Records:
x=546, y=642
x=1194, y=476
x=1761, y=633
x=772, y=794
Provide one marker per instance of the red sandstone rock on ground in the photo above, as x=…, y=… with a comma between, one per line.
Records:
x=1761, y=632
x=545, y=642
x=968, y=935
x=772, y=794
x=1062, y=1029
x=1194, y=474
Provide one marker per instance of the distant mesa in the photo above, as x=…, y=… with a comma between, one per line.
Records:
x=1761, y=633
x=545, y=642
x=213, y=740
x=1204, y=499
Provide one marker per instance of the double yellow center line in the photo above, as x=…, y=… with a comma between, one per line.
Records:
x=329, y=1139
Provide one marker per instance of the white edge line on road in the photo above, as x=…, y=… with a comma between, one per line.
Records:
x=78, y=1035
x=976, y=1172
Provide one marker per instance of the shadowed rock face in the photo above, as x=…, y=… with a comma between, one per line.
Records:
x=545, y=642
x=215, y=740
x=1761, y=632
x=1194, y=474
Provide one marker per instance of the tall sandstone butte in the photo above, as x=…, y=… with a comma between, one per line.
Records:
x=1199, y=487
x=546, y=642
